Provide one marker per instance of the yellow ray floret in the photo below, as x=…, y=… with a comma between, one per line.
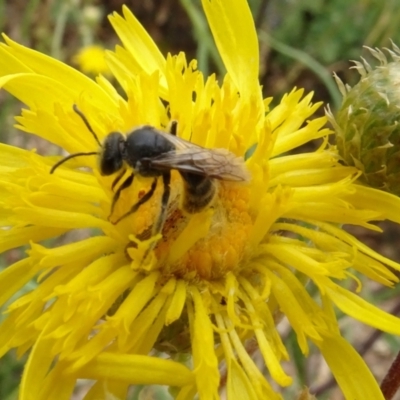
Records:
x=142, y=275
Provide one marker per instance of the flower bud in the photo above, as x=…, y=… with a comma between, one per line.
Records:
x=366, y=125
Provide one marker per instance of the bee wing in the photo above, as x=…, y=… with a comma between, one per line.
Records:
x=213, y=163
x=179, y=143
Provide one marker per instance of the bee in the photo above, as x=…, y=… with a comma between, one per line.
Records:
x=153, y=153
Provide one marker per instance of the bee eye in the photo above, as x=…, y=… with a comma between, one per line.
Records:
x=111, y=158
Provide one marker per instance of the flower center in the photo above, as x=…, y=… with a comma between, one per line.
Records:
x=204, y=245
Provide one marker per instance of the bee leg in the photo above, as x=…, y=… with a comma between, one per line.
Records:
x=128, y=182
x=143, y=200
x=164, y=202
x=118, y=178
x=163, y=213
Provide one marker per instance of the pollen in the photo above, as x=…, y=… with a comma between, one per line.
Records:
x=204, y=245
x=226, y=225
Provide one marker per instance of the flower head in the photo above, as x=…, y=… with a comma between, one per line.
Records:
x=91, y=60
x=156, y=276
x=366, y=125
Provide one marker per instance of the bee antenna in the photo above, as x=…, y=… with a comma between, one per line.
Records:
x=63, y=160
x=86, y=122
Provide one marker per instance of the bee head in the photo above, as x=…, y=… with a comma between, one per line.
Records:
x=112, y=153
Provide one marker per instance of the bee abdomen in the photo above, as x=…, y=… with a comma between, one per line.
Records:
x=199, y=192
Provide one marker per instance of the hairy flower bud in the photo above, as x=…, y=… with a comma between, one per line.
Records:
x=366, y=125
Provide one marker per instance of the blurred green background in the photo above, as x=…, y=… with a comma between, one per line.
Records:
x=302, y=42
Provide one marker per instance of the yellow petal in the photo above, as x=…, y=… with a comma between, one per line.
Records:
x=32, y=89
x=359, y=309
x=89, y=249
x=366, y=197
x=349, y=369
x=300, y=321
x=138, y=370
x=234, y=32
x=36, y=368
x=55, y=70
x=196, y=229
x=239, y=385
x=12, y=158
x=139, y=44
x=177, y=303
x=15, y=236
x=204, y=358
x=59, y=219
x=57, y=384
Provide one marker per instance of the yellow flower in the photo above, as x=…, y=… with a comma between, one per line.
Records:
x=206, y=282
x=92, y=60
